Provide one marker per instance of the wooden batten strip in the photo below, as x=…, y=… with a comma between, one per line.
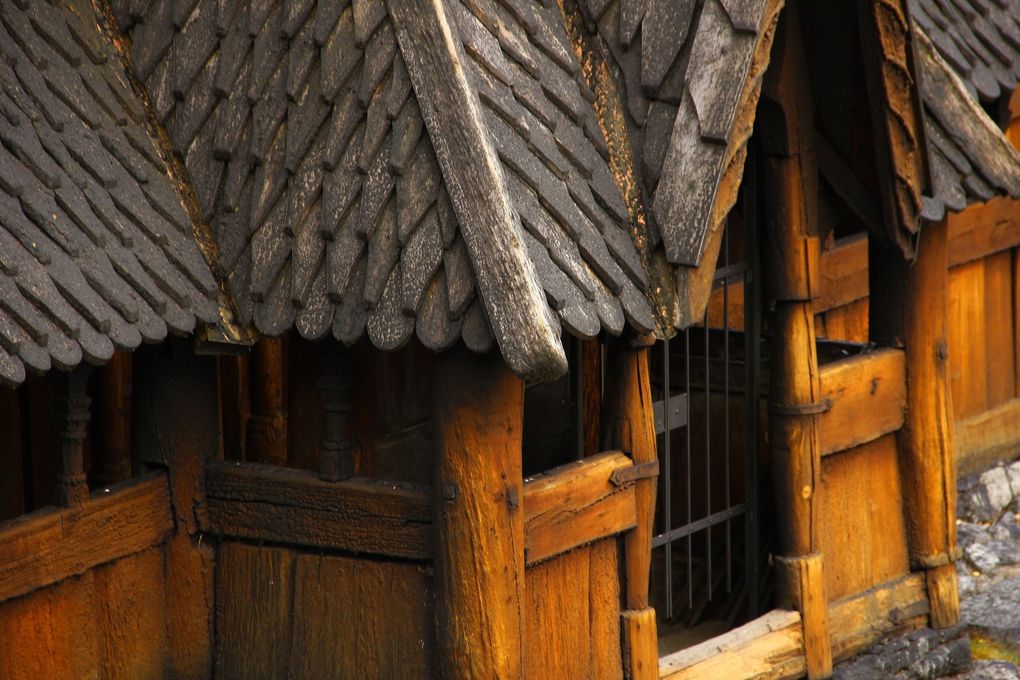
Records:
x=576, y=504
x=267, y=503
x=48, y=546
x=772, y=645
x=866, y=396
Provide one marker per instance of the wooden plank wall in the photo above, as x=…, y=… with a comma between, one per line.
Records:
x=109, y=622
x=282, y=612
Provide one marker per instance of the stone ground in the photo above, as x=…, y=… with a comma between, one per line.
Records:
x=988, y=532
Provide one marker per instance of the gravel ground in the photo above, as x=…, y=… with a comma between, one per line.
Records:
x=988, y=532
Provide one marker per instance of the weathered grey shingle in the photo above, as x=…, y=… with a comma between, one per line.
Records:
x=99, y=251
x=300, y=127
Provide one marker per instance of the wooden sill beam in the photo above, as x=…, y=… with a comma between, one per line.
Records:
x=867, y=394
x=48, y=546
x=772, y=645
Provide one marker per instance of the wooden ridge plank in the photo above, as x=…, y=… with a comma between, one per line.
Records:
x=266, y=503
x=51, y=545
x=507, y=280
x=576, y=504
x=868, y=397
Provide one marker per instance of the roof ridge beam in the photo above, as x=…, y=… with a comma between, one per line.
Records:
x=527, y=333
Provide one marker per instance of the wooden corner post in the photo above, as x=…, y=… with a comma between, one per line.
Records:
x=795, y=397
x=630, y=427
x=479, y=564
x=908, y=309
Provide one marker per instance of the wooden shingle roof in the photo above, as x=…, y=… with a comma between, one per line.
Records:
x=980, y=39
x=351, y=194
x=97, y=249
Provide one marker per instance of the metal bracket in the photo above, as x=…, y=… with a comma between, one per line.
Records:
x=800, y=409
x=632, y=473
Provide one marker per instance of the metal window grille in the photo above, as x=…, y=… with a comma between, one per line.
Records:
x=706, y=552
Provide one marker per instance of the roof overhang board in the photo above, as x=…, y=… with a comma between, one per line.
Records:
x=526, y=331
x=971, y=157
x=896, y=115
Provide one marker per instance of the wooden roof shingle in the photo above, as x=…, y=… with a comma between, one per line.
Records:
x=97, y=248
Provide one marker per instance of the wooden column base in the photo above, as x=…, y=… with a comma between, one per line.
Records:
x=803, y=582
x=640, y=644
x=72, y=491
x=943, y=596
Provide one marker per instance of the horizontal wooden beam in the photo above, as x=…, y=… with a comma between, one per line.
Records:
x=576, y=504
x=988, y=437
x=563, y=508
x=844, y=273
x=772, y=646
x=867, y=394
x=48, y=546
x=258, y=502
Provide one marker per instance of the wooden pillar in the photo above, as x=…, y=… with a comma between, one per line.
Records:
x=908, y=309
x=111, y=462
x=795, y=396
x=629, y=426
x=267, y=424
x=72, y=488
x=336, y=380
x=479, y=565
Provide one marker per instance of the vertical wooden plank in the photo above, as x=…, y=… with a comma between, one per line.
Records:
x=235, y=404
x=557, y=630
x=131, y=615
x=848, y=323
x=641, y=651
x=965, y=309
x=998, y=329
x=304, y=403
x=1016, y=308
x=591, y=399
x=12, y=481
x=604, y=604
x=391, y=603
x=479, y=563
x=51, y=633
x=254, y=605
x=865, y=530
x=111, y=459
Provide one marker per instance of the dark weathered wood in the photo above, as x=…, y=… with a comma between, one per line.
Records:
x=264, y=503
x=572, y=615
x=908, y=307
x=267, y=424
x=591, y=397
x=336, y=382
x=507, y=280
x=111, y=462
x=51, y=545
x=72, y=489
x=12, y=483
x=576, y=504
x=479, y=522
x=866, y=398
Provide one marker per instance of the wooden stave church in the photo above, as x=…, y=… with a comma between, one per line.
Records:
x=228, y=566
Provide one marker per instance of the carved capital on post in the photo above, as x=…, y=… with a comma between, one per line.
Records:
x=336, y=381
x=72, y=488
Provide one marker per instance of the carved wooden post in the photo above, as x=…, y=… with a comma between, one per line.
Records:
x=908, y=309
x=72, y=488
x=794, y=401
x=267, y=425
x=630, y=427
x=479, y=566
x=336, y=380
x=111, y=462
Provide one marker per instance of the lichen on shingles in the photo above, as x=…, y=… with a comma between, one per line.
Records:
x=592, y=55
